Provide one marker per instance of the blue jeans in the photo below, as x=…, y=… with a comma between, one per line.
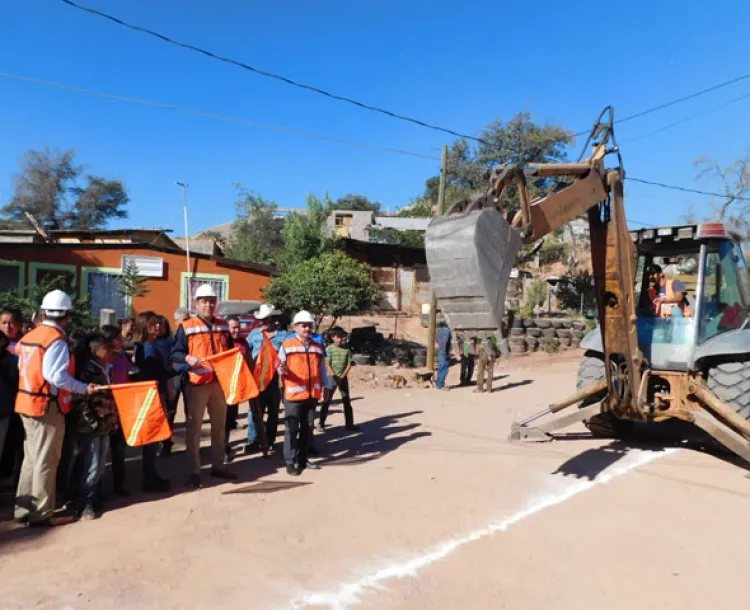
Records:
x=93, y=452
x=443, y=366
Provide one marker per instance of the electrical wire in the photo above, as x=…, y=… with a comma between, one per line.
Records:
x=687, y=190
x=364, y=105
x=217, y=117
x=686, y=119
x=273, y=75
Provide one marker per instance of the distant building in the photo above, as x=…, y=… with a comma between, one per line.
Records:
x=91, y=262
x=355, y=224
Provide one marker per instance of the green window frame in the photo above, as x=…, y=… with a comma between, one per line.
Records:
x=184, y=276
x=84, y=290
x=34, y=269
x=21, y=266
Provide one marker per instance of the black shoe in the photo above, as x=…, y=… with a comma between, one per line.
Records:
x=121, y=492
x=223, y=473
x=313, y=451
x=293, y=470
x=194, y=480
x=353, y=428
x=156, y=484
x=228, y=455
x=252, y=447
x=312, y=466
x=89, y=514
x=48, y=522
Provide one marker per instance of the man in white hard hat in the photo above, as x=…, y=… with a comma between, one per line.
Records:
x=304, y=378
x=270, y=396
x=196, y=339
x=46, y=384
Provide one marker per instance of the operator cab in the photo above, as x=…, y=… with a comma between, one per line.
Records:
x=705, y=264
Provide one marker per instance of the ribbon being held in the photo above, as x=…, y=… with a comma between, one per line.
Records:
x=234, y=376
x=142, y=415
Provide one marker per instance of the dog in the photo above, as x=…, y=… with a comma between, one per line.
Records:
x=427, y=378
x=397, y=381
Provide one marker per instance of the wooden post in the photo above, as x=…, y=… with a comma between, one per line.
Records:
x=433, y=301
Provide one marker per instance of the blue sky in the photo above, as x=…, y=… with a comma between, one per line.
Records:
x=455, y=64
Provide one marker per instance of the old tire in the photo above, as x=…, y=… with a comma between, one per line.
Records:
x=543, y=324
x=362, y=359
x=529, y=323
x=730, y=381
x=534, y=332
x=563, y=333
x=549, y=333
x=517, y=332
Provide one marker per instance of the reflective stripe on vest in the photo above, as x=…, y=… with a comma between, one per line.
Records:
x=34, y=393
x=204, y=342
x=302, y=380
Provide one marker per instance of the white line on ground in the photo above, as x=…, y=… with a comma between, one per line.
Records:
x=349, y=594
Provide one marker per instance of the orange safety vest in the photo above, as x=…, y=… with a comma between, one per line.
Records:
x=665, y=310
x=302, y=380
x=34, y=392
x=204, y=342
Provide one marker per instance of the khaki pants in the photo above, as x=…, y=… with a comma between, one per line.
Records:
x=35, y=497
x=485, y=370
x=198, y=398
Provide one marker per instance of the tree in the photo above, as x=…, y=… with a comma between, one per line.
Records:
x=306, y=236
x=29, y=300
x=575, y=291
x=131, y=284
x=735, y=180
x=330, y=284
x=395, y=237
x=357, y=203
x=53, y=189
x=520, y=140
x=256, y=233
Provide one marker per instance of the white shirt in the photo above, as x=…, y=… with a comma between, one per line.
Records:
x=55, y=363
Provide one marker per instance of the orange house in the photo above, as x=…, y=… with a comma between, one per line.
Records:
x=91, y=263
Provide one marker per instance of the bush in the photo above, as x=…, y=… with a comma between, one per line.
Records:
x=536, y=293
x=552, y=252
x=574, y=286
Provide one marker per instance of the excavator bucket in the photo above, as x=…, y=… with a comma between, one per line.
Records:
x=470, y=257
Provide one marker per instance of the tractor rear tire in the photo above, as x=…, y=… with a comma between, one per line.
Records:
x=730, y=381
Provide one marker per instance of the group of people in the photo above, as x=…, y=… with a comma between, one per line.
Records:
x=467, y=350
x=58, y=388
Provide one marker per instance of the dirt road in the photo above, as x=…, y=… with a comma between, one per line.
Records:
x=429, y=507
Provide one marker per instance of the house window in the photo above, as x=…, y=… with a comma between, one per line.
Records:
x=102, y=287
x=220, y=285
x=11, y=276
x=53, y=275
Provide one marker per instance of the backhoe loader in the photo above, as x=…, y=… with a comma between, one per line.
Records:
x=648, y=361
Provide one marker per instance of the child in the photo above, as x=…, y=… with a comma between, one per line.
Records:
x=338, y=363
x=95, y=418
x=121, y=371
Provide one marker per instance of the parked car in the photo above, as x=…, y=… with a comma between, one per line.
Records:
x=244, y=310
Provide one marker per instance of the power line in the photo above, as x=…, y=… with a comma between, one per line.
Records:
x=687, y=190
x=363, y=105
x=686, y=119
x=273, y=75
x=218, y=117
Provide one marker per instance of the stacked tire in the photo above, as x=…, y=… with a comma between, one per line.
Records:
x=517, y=339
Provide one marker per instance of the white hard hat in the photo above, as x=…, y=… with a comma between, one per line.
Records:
x=303, y=317
x=266, y=310
x=56, y=304
x=205, y=291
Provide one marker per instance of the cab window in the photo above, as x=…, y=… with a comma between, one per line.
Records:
x=722, y=304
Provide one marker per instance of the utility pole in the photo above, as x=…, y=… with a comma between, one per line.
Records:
x=185, y=216
x=433, y=301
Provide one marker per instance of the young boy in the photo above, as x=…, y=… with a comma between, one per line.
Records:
x=120, y=373
x=95, y=418
x=339, y=363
